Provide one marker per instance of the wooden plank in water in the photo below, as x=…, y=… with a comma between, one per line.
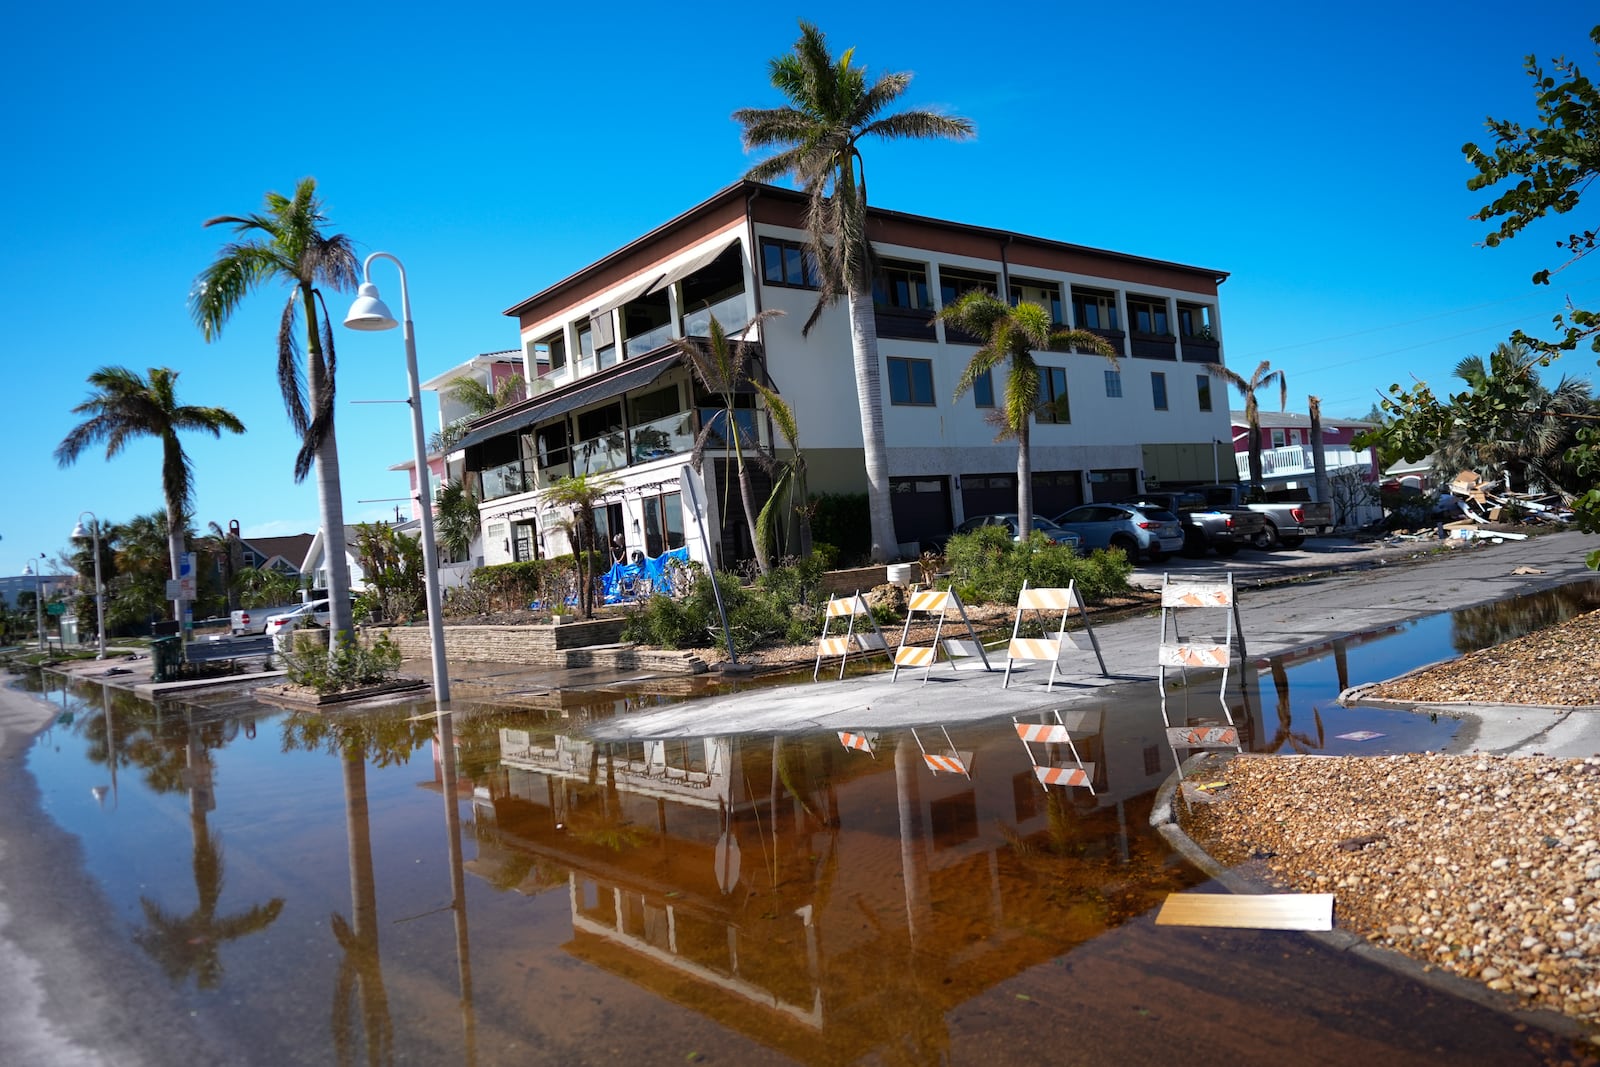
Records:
x=1263, y=911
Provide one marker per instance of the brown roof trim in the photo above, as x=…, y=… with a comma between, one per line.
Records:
x=883, y=216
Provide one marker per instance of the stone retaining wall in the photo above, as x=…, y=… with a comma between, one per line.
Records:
x=576, y=644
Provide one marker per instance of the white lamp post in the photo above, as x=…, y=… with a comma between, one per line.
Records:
x=38, y=598
x=370, y=313
x=78, y=532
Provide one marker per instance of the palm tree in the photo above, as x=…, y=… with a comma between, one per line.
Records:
x=456, y=513
x=230, y=548
x=789, y=494
x=723, y=368
x=479, y=400
x=124, y=406
x=1012, y=335
x=830, y=109
x=287, y=245
x=1264, y=376
x=581, y=493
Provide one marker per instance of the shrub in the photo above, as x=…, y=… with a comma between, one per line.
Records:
x=351, y=666
x=986, y=566
x=843, y=519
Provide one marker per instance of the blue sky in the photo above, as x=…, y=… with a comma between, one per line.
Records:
x=1312, y=151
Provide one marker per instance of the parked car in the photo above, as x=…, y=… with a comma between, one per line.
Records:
x=254, y=620
x=1139, y=532
x=280, y=627
x=1052, y=532
x=1205, y=527
x=1291, y=514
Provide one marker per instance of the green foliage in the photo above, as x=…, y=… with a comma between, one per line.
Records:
x=514, y=586
x=392, y=562
x=842, y=519
x=987, y=566
x=264, y=588
x=351, y=666
x=582, y=493
x=456, y=513
x=783, y=605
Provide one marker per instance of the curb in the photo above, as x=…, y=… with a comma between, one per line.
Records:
x=1163, y=817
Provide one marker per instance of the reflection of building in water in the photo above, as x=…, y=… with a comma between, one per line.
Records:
x=823, y=901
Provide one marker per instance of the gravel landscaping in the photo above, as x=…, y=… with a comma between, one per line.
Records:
x=1485, y=866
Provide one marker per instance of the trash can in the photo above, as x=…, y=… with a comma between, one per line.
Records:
x=166, y=655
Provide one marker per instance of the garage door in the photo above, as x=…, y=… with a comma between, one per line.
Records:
x=921, y=508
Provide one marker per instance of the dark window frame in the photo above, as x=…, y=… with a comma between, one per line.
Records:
x=791, y=254
x=1158, y=390
x=906, y=383
x=1055, y=404
x=983, y=390
x=1202, y=385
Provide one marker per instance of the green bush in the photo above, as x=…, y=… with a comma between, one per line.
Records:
x=987, y=567
x=785, y=605
x=351, y=666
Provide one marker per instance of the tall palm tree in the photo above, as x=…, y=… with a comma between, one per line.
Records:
x=123, y=406
x=230, y=548
x=1263, y=376
x=286, y=245
x=831, y=108
x=1011, y=336
x=456, y=513
x=723, y=367
x=479, y=400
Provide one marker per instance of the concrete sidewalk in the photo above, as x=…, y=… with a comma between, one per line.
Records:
x=1276, y=619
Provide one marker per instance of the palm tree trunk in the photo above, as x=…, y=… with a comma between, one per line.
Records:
x=330, y=504
x=1024, y=485
x=1255, y=451
x=748, y=494
x=1319, y=462
x=869, y=399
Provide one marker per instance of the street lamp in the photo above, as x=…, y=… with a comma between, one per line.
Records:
x=370, y=313
x=38, y=598
x=78, y=533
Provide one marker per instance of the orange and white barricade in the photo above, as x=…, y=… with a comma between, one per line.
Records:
x=859, y=741
x=1053, y=770
x=1214, y=599
x=841, y=645
x=937, y=602
x=1056, y=640
x=946, y=760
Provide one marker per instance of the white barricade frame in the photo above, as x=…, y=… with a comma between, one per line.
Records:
x=1214, y=594
x=865, y=643
x=930, y=602
x=1050, y=647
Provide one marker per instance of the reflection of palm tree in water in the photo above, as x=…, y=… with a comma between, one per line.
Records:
x=360, y=972
x=1286, y=734
x=185, y=944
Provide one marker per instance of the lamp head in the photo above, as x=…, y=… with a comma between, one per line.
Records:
x=369, y=312
x=79, y=532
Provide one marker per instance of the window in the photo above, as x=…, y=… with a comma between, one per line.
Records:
x=953, y=282
x=663, y=523
x=1148, y=315
x=788, y=263
x=1194, y=322
x=1053, y=406
x=1202, y=385
x=1045, y=294
x=901, y=285
x=586, y=341
x=983, y=390
x=551, y=350
x=1113, y=383
x=1277, y=439
x=1158, y=389
x=911, y=381
x=1093, y=309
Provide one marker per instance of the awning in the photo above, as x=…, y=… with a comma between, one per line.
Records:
x=640, y=286
x=704, y=259
x=588, y=391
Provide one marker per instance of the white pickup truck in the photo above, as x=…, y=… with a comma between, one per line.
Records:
x=1291, y=514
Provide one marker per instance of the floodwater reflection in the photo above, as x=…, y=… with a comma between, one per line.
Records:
x=894, y=896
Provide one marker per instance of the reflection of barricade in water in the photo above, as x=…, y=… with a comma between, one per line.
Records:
x=1053, y=770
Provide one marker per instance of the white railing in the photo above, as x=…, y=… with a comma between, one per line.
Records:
x=1297, y=459
x=730, y=312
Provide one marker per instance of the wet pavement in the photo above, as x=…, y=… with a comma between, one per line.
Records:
x=211, y=879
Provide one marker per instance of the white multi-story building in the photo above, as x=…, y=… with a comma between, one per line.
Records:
x=609, y=391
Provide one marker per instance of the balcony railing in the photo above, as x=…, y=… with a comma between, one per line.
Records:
x=1297, y=459
x=1154, y=346
x=651, y=339
x=909, y=324
x=599, y=454
x=663, y=437
x=508, y=479
x=1200, y=350
x=730, y=312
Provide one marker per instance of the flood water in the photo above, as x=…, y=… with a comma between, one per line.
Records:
x=491, y=887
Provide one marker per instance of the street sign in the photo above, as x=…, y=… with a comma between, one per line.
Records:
x=57, y=608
